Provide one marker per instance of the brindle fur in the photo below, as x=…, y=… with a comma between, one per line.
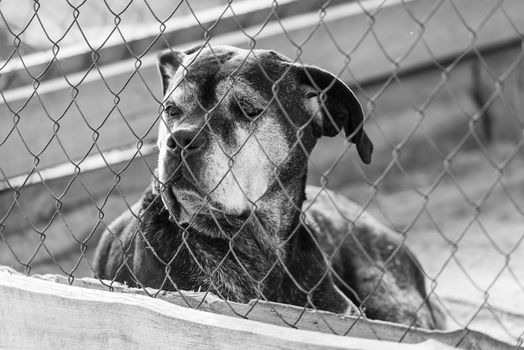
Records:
x=270, y=250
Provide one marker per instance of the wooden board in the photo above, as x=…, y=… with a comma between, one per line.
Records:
x=117, y=104
x=36, y=313
x=149, y=38
x=33, y=312
x=45, y=225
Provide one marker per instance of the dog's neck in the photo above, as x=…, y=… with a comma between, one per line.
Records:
x=253, y=251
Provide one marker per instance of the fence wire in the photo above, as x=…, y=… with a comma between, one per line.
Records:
x=82, y=100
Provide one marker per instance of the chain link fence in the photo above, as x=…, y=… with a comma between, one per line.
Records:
x=441, y=86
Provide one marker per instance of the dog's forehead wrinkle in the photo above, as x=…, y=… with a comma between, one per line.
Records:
x=212, y=77
x=208, y=64
x=240, y=89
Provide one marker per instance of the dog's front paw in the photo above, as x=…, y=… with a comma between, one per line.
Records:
x=352, y=310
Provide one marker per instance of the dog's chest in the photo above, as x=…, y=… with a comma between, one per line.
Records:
x=240, y=269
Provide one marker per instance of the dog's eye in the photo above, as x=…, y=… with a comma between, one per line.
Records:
x=248, y=109
x=173, y=111
x=311, y=94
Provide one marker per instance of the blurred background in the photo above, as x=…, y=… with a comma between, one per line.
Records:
x=441, y=82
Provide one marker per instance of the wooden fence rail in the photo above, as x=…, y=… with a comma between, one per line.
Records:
x=46, y=312
x=149, y=38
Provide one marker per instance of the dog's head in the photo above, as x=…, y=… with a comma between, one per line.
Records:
x=238, y=127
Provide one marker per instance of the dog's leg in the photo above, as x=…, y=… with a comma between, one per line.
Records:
x=372, y=265
x=352, y=309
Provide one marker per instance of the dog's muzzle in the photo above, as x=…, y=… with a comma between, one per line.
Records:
x=184, y=148
x=180, y=163
x=189, y=141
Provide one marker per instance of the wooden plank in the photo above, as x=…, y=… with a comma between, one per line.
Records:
x=307, y=319
x=149, y=38
x=379, y=41
x=68, y=209
x=124, y=103
x=26, y=200
x=36, y=313
x=499, y=90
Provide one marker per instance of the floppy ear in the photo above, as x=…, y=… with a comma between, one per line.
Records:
x=335, y=107
x=168, y=62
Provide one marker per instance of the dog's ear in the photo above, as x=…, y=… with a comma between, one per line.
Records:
x=168, y=63
x=334, y=108
x=193, y=49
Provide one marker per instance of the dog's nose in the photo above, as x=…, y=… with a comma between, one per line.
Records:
x=190, y=140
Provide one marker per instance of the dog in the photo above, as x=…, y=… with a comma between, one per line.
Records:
x=228, y=210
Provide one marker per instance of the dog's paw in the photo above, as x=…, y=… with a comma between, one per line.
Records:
x=352, y=310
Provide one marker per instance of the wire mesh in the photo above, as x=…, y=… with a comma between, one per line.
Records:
x=226, y=211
